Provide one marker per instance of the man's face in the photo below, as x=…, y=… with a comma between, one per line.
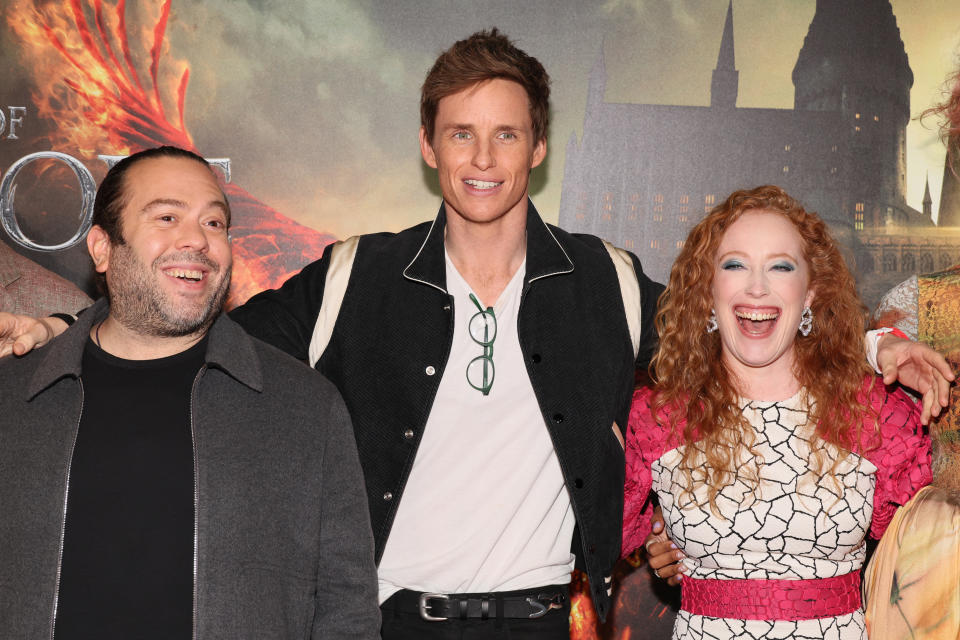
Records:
x=483, y=149
x=171, y=276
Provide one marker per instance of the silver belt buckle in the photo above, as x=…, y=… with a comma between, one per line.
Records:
x=541, y=609
x=423, y=606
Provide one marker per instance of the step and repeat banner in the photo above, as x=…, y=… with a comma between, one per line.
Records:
x=660, y=109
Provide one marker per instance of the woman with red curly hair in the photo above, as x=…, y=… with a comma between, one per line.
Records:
x=772, y=447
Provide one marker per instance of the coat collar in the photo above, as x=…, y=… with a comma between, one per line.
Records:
x=229, y=349
x=545, y=255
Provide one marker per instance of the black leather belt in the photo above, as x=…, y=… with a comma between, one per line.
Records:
x=435, y=607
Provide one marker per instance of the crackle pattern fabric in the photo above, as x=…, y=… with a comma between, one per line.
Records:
x=794, y=527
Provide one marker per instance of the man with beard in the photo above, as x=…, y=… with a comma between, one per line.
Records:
x=162, y=474
x=487, y=360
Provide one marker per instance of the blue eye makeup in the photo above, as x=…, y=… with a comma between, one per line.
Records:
x=731, y=264
x=784, y=266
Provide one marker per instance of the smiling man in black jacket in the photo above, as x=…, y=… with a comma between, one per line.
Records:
x=487, y=360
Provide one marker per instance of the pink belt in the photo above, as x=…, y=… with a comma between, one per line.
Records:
x=772, y=599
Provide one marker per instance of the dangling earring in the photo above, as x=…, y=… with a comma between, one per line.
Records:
x=806, y=321
x=712, y=321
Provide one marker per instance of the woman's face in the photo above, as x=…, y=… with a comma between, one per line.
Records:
x=761, y=283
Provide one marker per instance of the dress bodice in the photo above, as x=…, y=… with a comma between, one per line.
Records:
x=794, y=525
x=796, y=522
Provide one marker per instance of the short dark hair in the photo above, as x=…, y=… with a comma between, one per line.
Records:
x=111, y=197
x=484, y=56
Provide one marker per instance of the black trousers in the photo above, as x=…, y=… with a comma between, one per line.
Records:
x=408, y=625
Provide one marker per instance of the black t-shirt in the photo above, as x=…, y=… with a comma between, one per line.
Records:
x=127, y=566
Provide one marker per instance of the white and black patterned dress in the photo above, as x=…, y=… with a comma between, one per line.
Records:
x=793, y=527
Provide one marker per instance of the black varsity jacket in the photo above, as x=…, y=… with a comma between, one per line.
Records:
x=392, y=337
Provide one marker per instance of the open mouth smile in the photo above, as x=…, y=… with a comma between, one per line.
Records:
x=756, y=322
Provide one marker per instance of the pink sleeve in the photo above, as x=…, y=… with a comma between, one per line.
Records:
x=903, y=457
x=646, y=441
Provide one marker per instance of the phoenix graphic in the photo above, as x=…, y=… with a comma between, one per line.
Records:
x=114, y=90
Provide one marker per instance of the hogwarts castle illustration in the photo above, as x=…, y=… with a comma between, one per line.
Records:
x=642, y=175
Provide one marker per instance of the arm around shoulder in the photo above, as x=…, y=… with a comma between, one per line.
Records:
x=21, y=334
x=646, y=441
x=285, y=317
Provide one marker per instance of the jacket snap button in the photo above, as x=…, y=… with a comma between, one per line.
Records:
x=578, y=483
x=535, y=358
x=558, y=418
x=430, y=370
x=388, y=496
x=408, y=434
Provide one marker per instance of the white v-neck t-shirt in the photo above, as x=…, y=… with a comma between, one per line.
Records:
x=485, y=507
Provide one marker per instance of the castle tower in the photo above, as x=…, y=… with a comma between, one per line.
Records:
x=927, y=200
x=853, y=62
x=597, y=84
x=726, y=78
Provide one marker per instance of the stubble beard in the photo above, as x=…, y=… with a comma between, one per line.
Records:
x=139, y=303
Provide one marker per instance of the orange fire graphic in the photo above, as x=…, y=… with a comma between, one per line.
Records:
x=583, y=617
x=87, y=79
x=110, y=93
x=642, y=606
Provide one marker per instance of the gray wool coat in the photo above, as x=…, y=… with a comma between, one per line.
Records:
x=283, y=546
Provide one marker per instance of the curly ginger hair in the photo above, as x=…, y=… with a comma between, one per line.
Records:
x=829, y=365
x=949, y=112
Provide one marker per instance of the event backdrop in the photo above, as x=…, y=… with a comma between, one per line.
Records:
x=660, y=109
